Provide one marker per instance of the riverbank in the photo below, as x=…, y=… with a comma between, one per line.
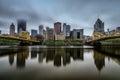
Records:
x=111, y=42
x=63, y=42
x=9, y=42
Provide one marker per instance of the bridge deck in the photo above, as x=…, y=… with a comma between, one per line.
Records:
x=103, y=38
x=19, y=39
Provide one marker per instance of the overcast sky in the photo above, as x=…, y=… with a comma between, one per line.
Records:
x=77, y=13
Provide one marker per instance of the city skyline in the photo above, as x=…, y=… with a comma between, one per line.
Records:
x=80, y=14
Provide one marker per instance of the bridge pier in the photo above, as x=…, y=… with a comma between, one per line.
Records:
x=36, y=43
x=23, y=43
x=96, y=43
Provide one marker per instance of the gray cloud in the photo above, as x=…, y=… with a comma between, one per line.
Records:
x=2, y=24
x=78, y=13
x=17, y=10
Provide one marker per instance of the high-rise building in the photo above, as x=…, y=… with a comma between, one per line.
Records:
x=12, y=29
x=45, y=34
x=41, y=29
x=50, y=33
x=0, y=32
x=21, y=25
x=66, y=29
x=57, y=27
x=60, y=36
x=118, y=29
x=99, y=26
x=33, y=33
x=77, y=34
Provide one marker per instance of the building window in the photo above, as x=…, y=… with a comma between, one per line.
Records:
x=78, y=35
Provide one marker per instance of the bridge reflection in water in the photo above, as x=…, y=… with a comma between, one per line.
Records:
x=59, y=57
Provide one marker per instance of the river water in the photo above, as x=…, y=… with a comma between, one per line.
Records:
x=59, y=63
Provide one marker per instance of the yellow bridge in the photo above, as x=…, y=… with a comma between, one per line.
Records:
x=97, y=36
x=19, y=39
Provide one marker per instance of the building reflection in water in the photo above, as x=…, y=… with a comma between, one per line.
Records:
x=112, y=52
x=11, y=59
x=57, y=60
x=99, y=60
x=20, y=60
x=50, y=54
x=41, y=57
x=66, y=57
x=60, y=56
x=77, y=54
x=21, y=57
x=33, y=53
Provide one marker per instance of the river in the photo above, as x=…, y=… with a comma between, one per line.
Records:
x=59, y=63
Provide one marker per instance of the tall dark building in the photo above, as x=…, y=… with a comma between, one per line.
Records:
x=33, y=33
x=41, y=28
x=99, y=26
x=0, y=32
x=21, y=25
x=66, y=29
x=12, y=29
x=118, y=29
x=57, y=27
x=77, y=34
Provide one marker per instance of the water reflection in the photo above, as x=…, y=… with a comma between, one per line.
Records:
x=61, y=56
x=99, y=60
x=108, y=52
x=21, y=54
x=11, y=59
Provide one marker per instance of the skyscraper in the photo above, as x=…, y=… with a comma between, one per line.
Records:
x=57, y=27
x=50, y=33
x=33, y=33
x=41, y=29
x=77, y=34
x=66, y=29
x=12, y=29
x=21, y=25
x=99, y=26
x=0, y=32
